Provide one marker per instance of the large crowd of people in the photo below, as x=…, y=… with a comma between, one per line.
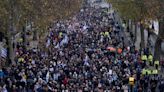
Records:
x=87, y=53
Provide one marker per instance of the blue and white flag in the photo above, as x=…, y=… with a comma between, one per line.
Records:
x=3, y=52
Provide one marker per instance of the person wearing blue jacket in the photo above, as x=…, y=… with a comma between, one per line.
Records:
x=1, y=73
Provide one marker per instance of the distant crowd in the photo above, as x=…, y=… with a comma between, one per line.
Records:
x=88, y=53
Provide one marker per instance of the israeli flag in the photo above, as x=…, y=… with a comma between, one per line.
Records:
x=3, y=52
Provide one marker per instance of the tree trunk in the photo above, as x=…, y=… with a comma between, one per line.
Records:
x=34, y=35
x=132, y=31
x=1, y=36
x=149, y=32
x=24, y=38
x=157, y=52
x=127, y=26
x=131, y=25
x=9, y=36
x=135, y=33
x=148, y=39
x=9, y=39
x=158, y=43
x=142, y=36
x=10, y=50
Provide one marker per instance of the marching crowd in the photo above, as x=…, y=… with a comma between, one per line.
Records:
x=85, y=54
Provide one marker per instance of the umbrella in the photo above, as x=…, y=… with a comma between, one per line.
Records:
x=111, y=49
